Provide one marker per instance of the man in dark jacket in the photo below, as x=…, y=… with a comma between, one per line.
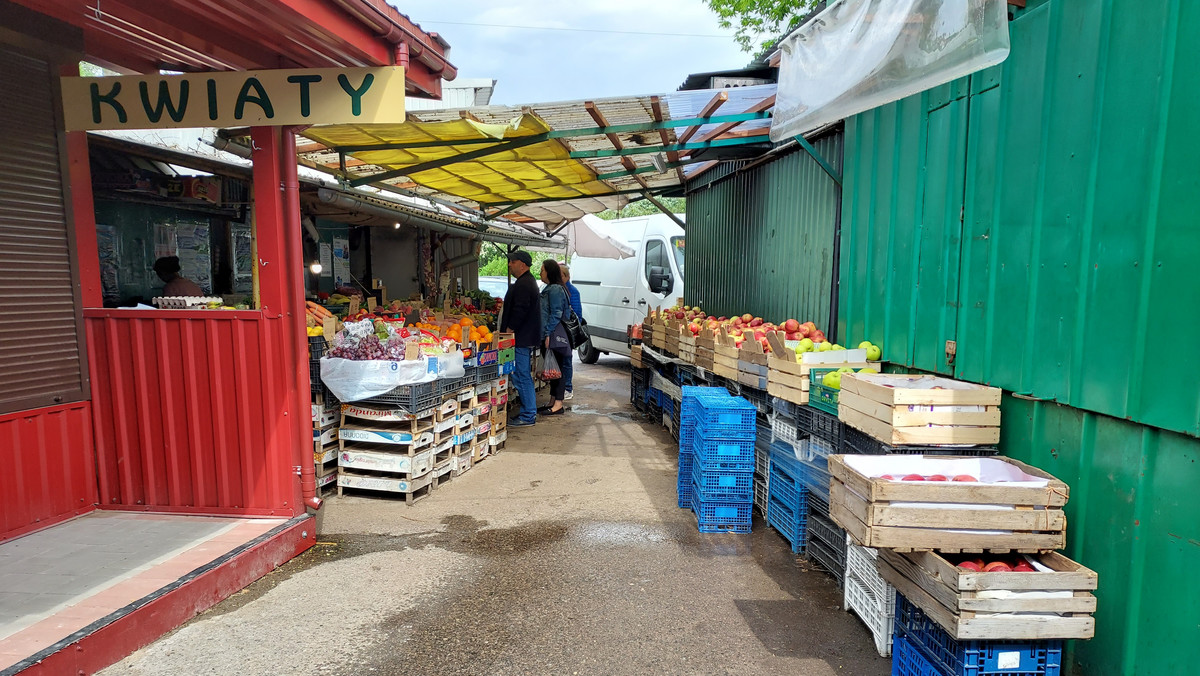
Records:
x=523, y=316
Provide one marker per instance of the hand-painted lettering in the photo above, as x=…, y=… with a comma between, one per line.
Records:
x=260, y=99
x=304, y=81
x=356, y=94
x=154, y=113
x=212, y=99
x=111, y=99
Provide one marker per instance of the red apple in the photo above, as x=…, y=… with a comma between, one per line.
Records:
x=937, y=477
x=965, y=478
x=791, y=326
x=913, y=477
x=680, y=314
x=756, y=321
x=817, y=336
x=747, y=317
x=791, y=336
x=804, y=331
x=721, y=318
x=1023, y=567
x=970, y=565
x=997, y=567
x=889, y=477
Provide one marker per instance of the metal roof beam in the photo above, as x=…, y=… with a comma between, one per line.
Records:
x=615, y=193
x=578, y=154
x=820, y=159
x=569, y=133
x=645, y=170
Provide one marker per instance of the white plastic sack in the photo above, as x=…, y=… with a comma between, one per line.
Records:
x=351, y=380
x=860, y=54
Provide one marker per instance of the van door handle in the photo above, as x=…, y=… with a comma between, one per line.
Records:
x=642, y=301
x=625, y=300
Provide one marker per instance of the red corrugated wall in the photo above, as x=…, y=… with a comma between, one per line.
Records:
x=49, y=470
x=191, y=412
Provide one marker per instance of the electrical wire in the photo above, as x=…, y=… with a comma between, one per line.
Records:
x=578, y=30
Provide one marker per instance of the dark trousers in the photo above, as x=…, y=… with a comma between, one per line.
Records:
x=558, y=386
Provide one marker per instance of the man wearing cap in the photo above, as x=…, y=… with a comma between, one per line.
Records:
x=523, y=316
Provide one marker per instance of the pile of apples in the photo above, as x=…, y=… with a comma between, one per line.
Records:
x=744, y=327
x=996, y=566
x=965, y=478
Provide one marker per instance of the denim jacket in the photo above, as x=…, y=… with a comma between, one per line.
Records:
x=555, y=307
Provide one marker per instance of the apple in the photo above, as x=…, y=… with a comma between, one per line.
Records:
x=804, y=330
x=791, y=336
x=966, y=478
x=889, y=477
x=824, y=347
x=837, y=347
x=970, y=565
x=695, y=329
x=846, y=369
x=1023, y=567
x=997, y=567
x=806, y=345
x=938, y=477
x=747, y=318
x=680, y=314
x=791, y=326
x=833, y=380
x=873, y=352
x=817, y=336
x=913, y=477
x=868, y=370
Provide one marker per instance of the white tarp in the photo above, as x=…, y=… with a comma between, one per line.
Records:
x=860, y=54
x=585, y=239
x=357, y=380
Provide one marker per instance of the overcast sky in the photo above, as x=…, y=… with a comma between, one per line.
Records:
x=534, y=66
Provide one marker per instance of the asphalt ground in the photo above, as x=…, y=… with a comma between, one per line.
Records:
x=563, y=554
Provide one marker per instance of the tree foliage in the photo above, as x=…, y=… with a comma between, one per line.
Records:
x=753, y=19
x=677, y=205
x=495, y=264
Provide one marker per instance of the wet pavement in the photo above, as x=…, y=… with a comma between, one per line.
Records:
x=564, y=554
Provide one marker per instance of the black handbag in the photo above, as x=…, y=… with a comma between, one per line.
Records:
x=576, y=334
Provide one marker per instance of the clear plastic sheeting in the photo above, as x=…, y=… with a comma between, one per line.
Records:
x=860, y=54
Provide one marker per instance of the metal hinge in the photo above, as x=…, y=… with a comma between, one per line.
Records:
x=951, y=351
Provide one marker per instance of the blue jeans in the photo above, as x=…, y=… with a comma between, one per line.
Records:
x=522, y=379
x=568, y=369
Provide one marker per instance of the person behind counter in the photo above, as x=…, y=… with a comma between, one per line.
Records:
x=167, y=268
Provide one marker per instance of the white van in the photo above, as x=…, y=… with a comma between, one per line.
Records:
x=616, y=293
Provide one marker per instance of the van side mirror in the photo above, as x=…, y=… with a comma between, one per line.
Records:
x=660, y=280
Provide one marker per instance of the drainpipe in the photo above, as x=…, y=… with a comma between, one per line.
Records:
x=295, y=257
x=461, y=260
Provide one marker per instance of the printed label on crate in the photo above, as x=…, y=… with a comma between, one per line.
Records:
x=327, y=479
x=323, y=457
x=374, y=483
x=464, y=437
x=387, y=462
x=501, y=384
x=489, y=357
x=325, y=436
x=500, y=400
x=379, y=437
x=508, y=367
x=483, y=410
x=462, y=462
x=483, y=428
x=382, y=414
x=497, y=439
x=322, y=416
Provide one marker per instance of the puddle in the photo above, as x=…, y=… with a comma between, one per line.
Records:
x=614, y=415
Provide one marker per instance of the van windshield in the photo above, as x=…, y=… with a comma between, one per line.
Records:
x=677, y=247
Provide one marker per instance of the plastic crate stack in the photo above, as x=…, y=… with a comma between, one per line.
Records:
x=922, y=648
x=723, y=464
x=687, y=435
x=787, y=497
x=762, y=467
x=639, y=385
x=825, y=543
x=869, y=596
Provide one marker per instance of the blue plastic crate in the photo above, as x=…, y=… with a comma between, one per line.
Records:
x=687, y=410
x=734, y=454
x=908, y=661
x=733, y=418
x=974, y=658
x=784, y=480
x=684, y=481
x=722, y=484
x=789, y=524
x=719, y=516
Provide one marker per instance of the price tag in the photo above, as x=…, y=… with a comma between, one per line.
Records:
x=354, y=304
x=329, y=325
x=371, y=303
x=412, y=352
x=1008, y=660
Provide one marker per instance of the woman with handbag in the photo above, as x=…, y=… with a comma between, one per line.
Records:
x=556, y=309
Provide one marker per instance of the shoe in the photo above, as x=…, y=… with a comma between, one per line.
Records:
x=570, y=395
x=520, y=423
x=551, y=412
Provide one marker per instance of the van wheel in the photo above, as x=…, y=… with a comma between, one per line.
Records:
x=587, y=353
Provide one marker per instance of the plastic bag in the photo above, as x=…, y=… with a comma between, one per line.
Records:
x=351, y=380
x=550, y=368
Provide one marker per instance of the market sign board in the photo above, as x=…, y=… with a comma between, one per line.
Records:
x=235, y=99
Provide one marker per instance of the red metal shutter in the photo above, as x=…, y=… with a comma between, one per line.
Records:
x=41, y=361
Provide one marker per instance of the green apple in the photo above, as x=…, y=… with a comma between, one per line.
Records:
x=868, y=370
x=864, y=345
x=832, y=380
x=824, y=347
x=806, y=345
x=846, y=369
x=837, y=347
x=874, y=353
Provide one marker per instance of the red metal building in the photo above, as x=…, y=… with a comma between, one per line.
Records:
x=178, y=412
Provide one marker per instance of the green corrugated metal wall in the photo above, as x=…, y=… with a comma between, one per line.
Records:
x=1078, y=197
x=1041, y=214
x=761, y=241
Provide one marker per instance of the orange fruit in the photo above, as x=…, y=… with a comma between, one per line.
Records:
x=465, y=321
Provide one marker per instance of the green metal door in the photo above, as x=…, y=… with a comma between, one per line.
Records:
x=940, y=235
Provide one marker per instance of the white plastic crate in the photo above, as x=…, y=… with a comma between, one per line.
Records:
x=783, y=428
x=869, y=596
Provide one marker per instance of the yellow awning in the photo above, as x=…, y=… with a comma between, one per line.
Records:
x=533, y=172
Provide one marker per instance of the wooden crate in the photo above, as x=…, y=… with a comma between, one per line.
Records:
x=412, y=489
x=788, y=373
x=920, y=409
x=953, y=516
x=972, y=605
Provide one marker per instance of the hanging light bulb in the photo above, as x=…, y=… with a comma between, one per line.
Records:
x=315, y=267
x=397, y=226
